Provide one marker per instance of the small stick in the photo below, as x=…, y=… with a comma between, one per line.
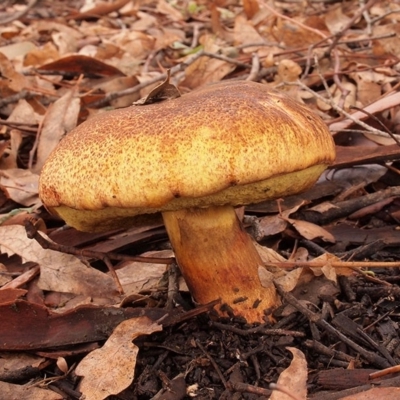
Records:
x=33, y=233
x=369, y=128
x=384, y=372
x=214, y=364
x=335, y=264
x=371, y=357
x=255, y=67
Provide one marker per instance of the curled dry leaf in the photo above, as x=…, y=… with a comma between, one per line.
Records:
x=293, y=378
x=21, y=186
x=110, y=370
x=61, y=117
x=62, y=365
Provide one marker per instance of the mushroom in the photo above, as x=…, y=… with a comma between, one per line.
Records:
x=193, y=159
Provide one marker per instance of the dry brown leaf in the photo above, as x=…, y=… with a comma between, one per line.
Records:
x=24, y=113
x=369, y=85
x=336, y=20
x=288, y=71
x=245, y=33
x=40, y=56
x=290, y=279
x=100, y=9
x=137, y=44
x=65, y=43
x=15, y=361
x=378, y=393
x=12, y=79
x=9, y=391
x=206, y=70
x=167, y=9
x=328, y=258
x=10, y=161
x=21, y=186
x=17, y=49
x=58, y=271
x=268, y=255
x=266, y=278
x=294, y=35
x=388, y=45
x=269, y=226
x=110, y=370
x=4, y=277
x=251, y=8
x=62, y=365
x=293, y=378
x=120, y=83
x=379, y=105
x=136, y=276
x=60, y=118
x=312, y=231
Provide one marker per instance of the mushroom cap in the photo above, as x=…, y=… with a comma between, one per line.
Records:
x=231, y=143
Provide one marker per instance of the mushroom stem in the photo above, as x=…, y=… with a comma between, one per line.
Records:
x=219, y=261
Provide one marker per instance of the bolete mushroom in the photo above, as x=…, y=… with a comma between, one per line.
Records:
x=192, y=159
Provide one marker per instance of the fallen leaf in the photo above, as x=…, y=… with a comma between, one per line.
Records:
x=61, y=117
x=206, y=70
x=293, y=378
x=21, y=186
x=245, y=33
x=10, y=391
x=90, y=324
x=311, y=231
x=42, y=55
x=13, y=79
x=58, y=271
x=137, y=276
x=110, y=370
x=80, y=64
x=381, y=393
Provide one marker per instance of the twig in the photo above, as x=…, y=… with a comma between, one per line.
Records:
x=23, y=94
x=367, y=18
x=246, y=388
x=258, y=329
x=379, y=122
x=255, y=68
x=321, y=323
x=114, y=275
x=214, y=364
x=355, y=17
x=296, y=22
x=369, y=128
x=177, y=68
x=173, y=286
x=33, y=233
x=335, y=264
x=336, y=79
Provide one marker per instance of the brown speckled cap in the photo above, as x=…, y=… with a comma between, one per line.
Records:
x=229, y=143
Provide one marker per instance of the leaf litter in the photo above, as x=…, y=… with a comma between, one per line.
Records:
x=336, y=245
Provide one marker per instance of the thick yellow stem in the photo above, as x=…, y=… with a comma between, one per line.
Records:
x=219, y=261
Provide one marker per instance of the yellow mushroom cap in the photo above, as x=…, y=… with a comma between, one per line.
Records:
x=230, y=143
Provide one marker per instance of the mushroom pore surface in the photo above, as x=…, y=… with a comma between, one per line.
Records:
x=231, y=143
